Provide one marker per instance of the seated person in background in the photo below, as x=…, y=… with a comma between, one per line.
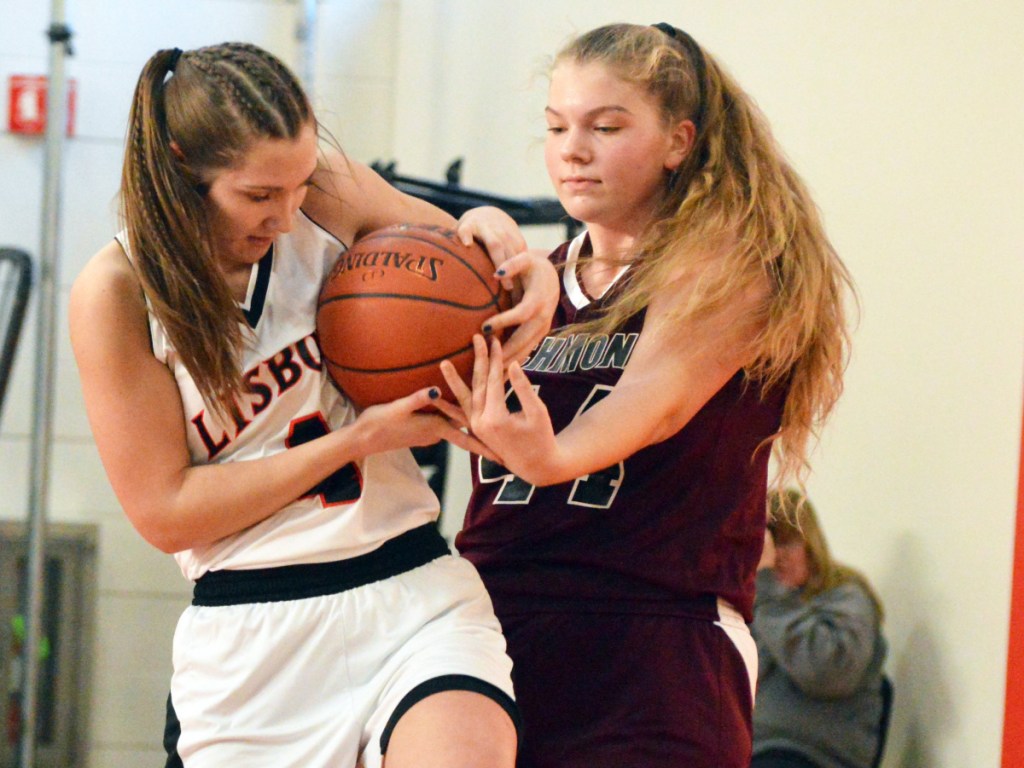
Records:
x=820, y=649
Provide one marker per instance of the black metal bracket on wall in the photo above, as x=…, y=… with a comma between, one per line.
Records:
x=452, y=197
x=15, y=286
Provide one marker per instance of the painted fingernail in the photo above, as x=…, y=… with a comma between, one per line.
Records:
x=488, y=328
x=434, y=393
x=500, y=272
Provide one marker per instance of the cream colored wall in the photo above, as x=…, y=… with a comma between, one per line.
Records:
x=140, y=590
x=905, y=120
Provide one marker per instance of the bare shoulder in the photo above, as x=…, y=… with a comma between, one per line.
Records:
x=715, y=284
x=108, y=269
x=106, y=292
x=709, y=317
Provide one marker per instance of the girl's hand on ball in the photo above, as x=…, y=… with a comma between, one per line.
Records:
x=458, y=418
x=410, y=422
x=532, y=315
x=526, y=274
x=497, y=232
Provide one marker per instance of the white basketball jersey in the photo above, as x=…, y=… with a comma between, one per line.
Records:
x=292, y=401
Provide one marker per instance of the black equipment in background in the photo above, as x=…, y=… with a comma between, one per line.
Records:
x=15, y=285
x=452, y=197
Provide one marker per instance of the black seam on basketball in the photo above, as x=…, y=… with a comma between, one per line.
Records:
x=412, y=235
x=400, y=369
x=406, y=297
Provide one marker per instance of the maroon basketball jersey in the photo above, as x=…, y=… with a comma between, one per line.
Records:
x=670, y=529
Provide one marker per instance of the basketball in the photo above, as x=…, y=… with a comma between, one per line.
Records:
x=398, y=302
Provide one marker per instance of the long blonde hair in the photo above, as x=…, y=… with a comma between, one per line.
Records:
x=734, y=189
x=792, y=518
x=193, y=113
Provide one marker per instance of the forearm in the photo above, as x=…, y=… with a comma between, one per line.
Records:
x=609, y=432
x=565, y=458
x=200, y=504
x=657, y=396
x=658, y=392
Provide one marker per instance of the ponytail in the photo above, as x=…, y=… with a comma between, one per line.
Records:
x=193, y=113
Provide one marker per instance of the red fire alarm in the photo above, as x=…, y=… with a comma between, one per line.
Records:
x=26, y=112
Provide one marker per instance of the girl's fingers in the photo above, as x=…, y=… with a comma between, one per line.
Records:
x=521, y=385
x=462, y=394
x=454, y=413
x=417, y=400
x=525, y=339
x=496, y=230
x=472, y=444
x=480, y=368
x=534, y=310
x=495, y=382
x=501, y=254
x=464, y=231
x=513, y=316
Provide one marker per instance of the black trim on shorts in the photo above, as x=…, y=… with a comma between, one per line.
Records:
x=410, y=550
x=452, y=683
x=172, y=732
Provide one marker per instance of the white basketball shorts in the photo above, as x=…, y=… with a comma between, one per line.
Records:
x=321, y=679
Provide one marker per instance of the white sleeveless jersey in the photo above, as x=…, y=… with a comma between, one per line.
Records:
x=292, y=401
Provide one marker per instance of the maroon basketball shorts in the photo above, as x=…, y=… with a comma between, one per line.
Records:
x=602, y=690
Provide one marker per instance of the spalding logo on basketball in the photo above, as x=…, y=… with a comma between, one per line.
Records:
x=398, y=302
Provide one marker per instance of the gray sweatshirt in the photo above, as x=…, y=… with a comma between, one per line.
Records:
x=820, y=676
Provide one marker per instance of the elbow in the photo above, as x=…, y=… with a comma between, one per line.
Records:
x=671, y=421
x=158, y=532
x=163, y=516
x=167, y=544
x=167, y=541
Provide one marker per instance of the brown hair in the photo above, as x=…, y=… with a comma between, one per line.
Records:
x=792, y=518
x=734, y=192
x=212, y=103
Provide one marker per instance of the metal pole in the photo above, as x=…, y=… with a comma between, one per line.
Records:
x=305, y=33
x=56, y=125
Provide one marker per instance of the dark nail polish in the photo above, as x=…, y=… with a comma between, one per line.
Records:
x=434, y=393
x=488, y=328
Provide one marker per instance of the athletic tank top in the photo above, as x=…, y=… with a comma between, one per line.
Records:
x=292, y=401
x=670, y=529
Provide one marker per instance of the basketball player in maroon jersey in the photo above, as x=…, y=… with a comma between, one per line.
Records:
x=700, y=324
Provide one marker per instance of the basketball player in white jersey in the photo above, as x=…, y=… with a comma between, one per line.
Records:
x=330, y=623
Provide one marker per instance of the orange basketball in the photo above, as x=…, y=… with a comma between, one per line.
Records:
x=398, y=302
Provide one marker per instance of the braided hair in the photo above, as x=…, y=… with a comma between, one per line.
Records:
x=195, y=112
